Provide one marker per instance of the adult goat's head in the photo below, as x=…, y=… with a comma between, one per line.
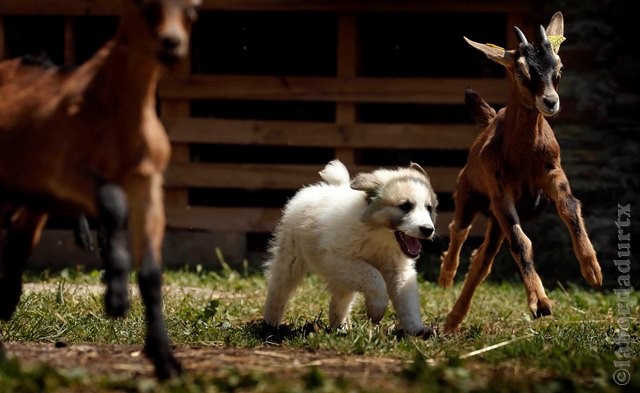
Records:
x=535, y=68
x=161, y=26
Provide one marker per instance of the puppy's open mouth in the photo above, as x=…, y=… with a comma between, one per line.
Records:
x=410, y=246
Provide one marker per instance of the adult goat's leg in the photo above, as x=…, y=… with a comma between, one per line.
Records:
x=23, y=232
x=570, y=212
x=481, y=262
x=147, y=224
x=504, y=209
x=459, y=230
x=112, y=205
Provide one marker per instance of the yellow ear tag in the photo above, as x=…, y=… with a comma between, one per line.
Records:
x=494, y=46
x=555, y=41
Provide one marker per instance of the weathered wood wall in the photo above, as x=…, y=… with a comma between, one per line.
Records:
x=228, y=226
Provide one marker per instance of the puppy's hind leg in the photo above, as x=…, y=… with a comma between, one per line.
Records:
x=355, y=276
x=340, y=306
x=284, y=273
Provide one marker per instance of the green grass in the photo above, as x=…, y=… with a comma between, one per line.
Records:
x=573, y=350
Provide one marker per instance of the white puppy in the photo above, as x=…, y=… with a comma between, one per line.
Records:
x=359, y=236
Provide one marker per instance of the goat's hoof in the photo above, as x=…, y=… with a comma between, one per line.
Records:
x=592, y=273
x=445, y=280
x=543, y=309
x=169, y=368
x=8, y=305
x=116, y=305
x=450, y=328
x=165, y=364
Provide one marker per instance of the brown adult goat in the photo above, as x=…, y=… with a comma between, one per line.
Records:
x=89, y=142
x=513, y=166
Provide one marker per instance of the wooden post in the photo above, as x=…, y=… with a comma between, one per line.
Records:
x=179, y=151
x=69, y=42
x=347, y=68
x=3, y=44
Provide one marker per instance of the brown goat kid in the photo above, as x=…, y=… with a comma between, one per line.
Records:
x=89, y=142
x=512, y=168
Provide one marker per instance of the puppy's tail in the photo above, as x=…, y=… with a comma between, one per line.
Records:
x=335, y=173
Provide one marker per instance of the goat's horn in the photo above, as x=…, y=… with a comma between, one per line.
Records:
x=543, y=34
x=521, y=38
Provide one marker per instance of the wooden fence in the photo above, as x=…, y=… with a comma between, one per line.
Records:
x=347, y=91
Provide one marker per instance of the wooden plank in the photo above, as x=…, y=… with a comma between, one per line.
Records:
x=275, y=176
x=356, y=89
x=370, y=5
x=347, y=67
x=265, y=220
x=309, y=134
x=60, y=7
x=111, y=7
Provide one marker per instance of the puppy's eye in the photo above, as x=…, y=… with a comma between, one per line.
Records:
x=406, y=207
x=430, y=208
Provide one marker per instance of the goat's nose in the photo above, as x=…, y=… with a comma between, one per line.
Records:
x=426, y=231
x=170, y=42
x=550, y=102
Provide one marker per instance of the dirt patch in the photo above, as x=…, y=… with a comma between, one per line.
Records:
x=123, y=360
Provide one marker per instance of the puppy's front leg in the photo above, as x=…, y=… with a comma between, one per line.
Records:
x=402, y=287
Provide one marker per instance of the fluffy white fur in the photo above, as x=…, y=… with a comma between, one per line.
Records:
x=345, y=232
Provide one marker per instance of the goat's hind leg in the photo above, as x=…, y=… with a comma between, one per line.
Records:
x=112, y=207
x=459, y=229
x=23, y=232
x=147, y=225
x=522, y=252
x=481, y=262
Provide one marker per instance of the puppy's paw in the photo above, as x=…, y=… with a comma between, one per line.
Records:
x=427, y=333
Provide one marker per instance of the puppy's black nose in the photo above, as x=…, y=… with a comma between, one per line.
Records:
x=426, y=231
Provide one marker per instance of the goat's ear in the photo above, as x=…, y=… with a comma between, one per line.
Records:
x=555, y=31
x=556, y=25
x=493, y=52
x=366, y=182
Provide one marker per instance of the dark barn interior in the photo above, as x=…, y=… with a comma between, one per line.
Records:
x=273, y=90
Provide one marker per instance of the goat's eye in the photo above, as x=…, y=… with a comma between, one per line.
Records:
x=191, y=13
x=406, y=206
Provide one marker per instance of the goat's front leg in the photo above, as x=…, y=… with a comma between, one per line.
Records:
x=23, y=233
x=147, y=224
x=569, y=210
x=503, y=209
x=112, y=208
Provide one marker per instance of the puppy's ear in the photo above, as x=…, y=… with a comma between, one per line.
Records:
x=418, y=168
x=366, y=182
